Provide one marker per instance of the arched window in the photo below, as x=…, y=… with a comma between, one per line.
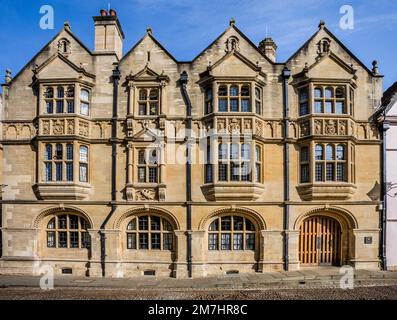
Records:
x=68, y=231
x=234, y=98
x=84, y=102
x=150, y=232
x=231, y=233
x=208, y=100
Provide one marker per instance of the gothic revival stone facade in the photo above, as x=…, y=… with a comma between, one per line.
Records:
x=284, y=167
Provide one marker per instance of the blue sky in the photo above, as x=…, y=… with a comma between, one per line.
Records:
x=185, y=27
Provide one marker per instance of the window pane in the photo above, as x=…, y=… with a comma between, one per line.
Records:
x=83, y=172
x=249, y=226
x=303, y=94
x=238, y=223
x=74, y=239
x=69, y=152
x=48, y=171
x=330, y=171
x=340, y=92
x=84, y=109
x=141, y=157
x=318, y=93
x=258, y=173
x=245, y=91
x=155, y=223
x=143, y=241
x=131, y=240
x=49, y=93
x=318, y=106
x=222, y=151
x=222, y=105
x=208, y=93
x=214, y=226
x=304, y=154
x=152, y=156
x=245, y=151
x=132, y=225
x=234, y=171
x=153, y=94
x=319, y=172
x=166, y=225
x=222, y=172
x=245, y=105
x=58, y=152
x=319, y=152
x=328, y=106
x=143, y=223
x=328, y=92
x=208, y=173
x=69, y=171
x=258, y=153
x=153, y=108
x=142, y=109
x=156, y=243
x=213, y=241
x=48, y=152
x=70, y=107
x=153, y=175
x=233, y=91
x=305, y=173
x=73, y=222
x=340, y=172
x=167, y=241
x=58, y=171
x=84, y=95
x=258, y=93
x=226, y=223
x=83, y=154
x=60, y=106
x=330, y=152
x=62, y=239
x=234, y=105
x=60, y=92
x=250, y=241
x=222, y=91
x=340, y=152
x=49, y=107
x=84, y=224
x=234, y=151
x=258, y=107
x=340, y=107
x=51, y=224
x=142, y=95
x=225, y=241
x=62, y=222
x=238, y=241
x=51, y=239
x=303, y=108
x=85, y=240
x=245, y=171
x=141, y=174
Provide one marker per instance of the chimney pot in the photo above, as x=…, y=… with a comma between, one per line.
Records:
x=112, y=13
x=103, y=12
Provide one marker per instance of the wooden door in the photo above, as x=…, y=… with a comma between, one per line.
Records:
x=320, y=241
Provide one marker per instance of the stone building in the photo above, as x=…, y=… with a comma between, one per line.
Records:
x=283, y=165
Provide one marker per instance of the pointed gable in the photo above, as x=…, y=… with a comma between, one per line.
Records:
x=330, y=66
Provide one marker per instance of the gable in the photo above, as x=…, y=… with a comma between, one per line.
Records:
x=231, y=65
x=329, y=68
x=57, y=69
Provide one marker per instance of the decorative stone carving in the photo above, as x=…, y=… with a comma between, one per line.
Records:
x=343, y=128
x=70, y=126
x=58, y=127
x=46, y=127
x=247, y=125
x=130, y=127
x=304, y=129
x=83, y=129
x=234, y=126
x=221, y=125
x=232, y=44
x=323, y=46
x=330, y=127
x=145, y=194
x=318, y=127
x=259, y=128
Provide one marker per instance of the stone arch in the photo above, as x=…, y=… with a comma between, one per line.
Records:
x=142, y=210
x=11, y=132
x=26, y=132
x=55, y=210
x=252, y=214
x=343, y=216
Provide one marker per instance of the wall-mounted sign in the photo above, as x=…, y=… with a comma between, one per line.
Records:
x=367, y=240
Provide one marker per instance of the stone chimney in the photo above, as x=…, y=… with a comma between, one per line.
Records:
x=109, y=35
x=268, y=47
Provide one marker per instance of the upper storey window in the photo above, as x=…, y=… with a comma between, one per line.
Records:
x=234, y=98
x=148, y=101
x=325, y=99
x=61, y=99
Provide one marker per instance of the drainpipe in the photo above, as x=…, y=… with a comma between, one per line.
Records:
x=286, y=75
x=383, y=213
x=113, y=140
x=183, y=81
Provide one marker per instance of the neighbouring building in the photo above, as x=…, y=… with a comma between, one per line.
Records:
x=387, y=117
x=283, y=171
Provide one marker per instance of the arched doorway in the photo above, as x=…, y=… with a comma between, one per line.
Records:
x=320, y=241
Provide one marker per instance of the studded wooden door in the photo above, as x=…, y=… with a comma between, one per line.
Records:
x=320, y=241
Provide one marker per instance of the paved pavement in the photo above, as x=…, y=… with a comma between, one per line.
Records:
x=306, y=278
